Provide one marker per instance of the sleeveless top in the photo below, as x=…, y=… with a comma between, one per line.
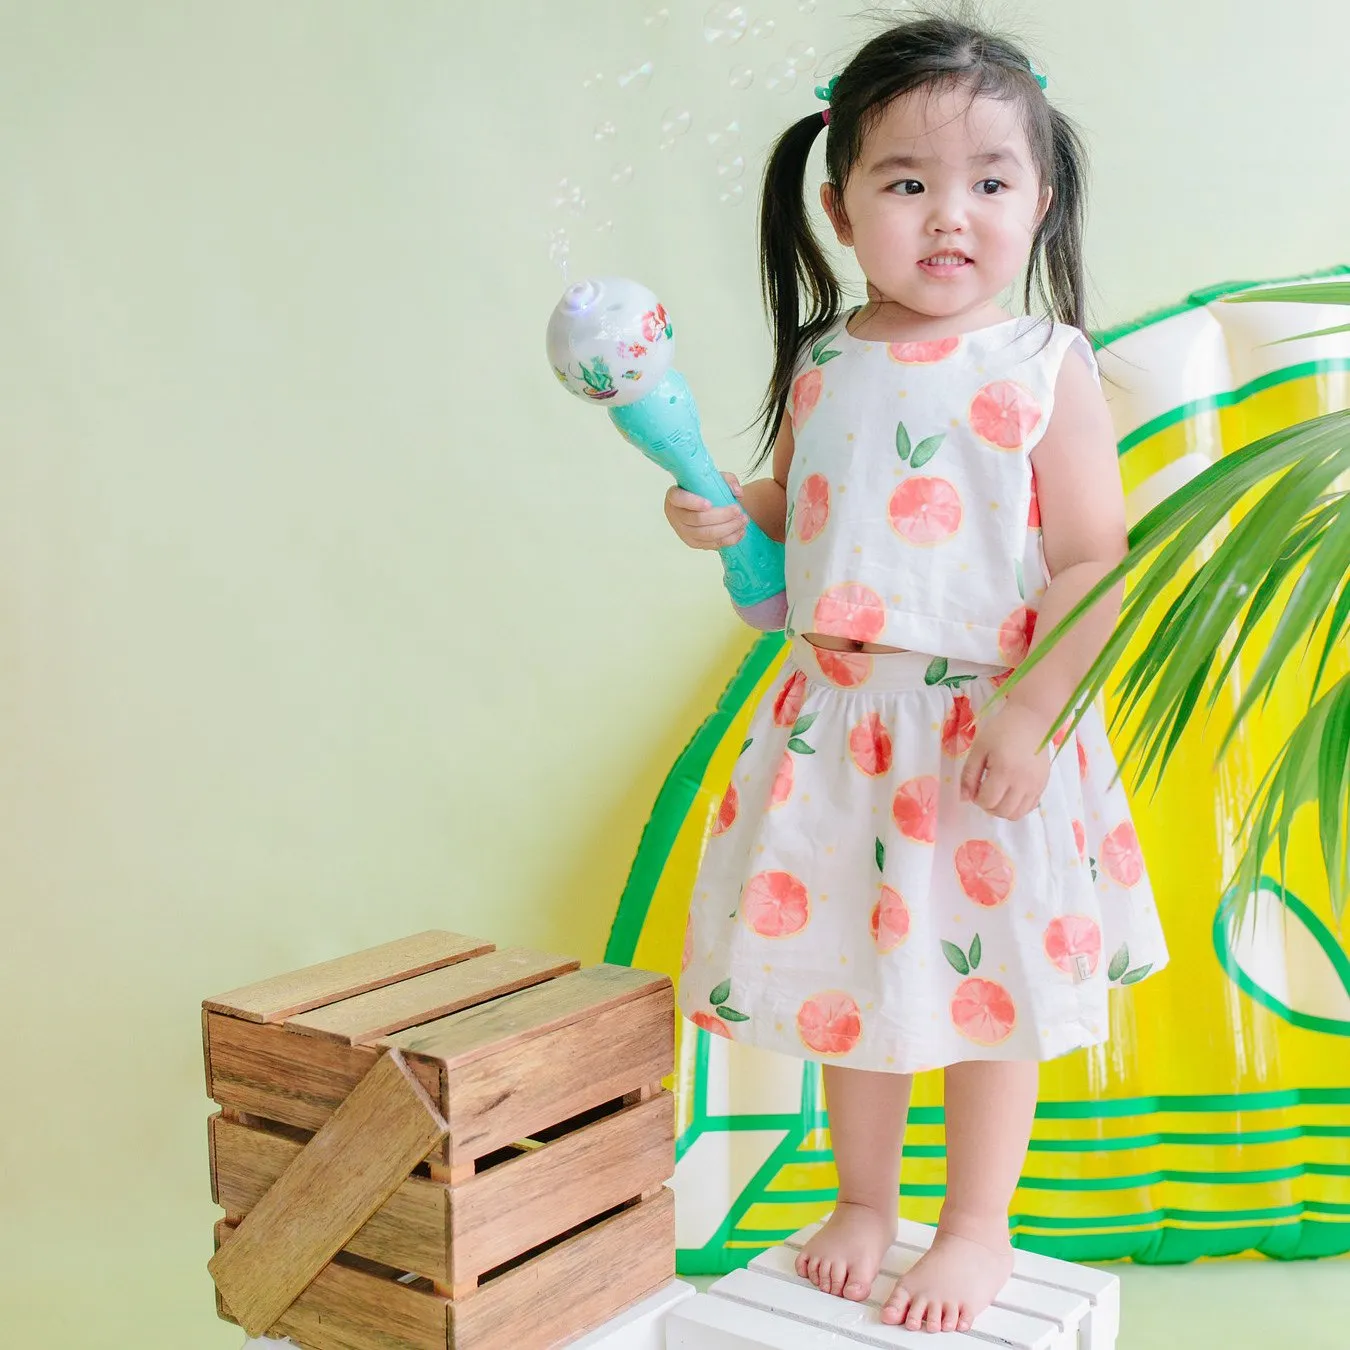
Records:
x=912, y=513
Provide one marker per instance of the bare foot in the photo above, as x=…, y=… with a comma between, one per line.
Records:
x=844, y=1257
x=955, y=1280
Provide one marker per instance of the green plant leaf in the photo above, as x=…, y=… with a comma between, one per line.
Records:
x=721, y=993
x=956, y=958
x=1120, y=963
x=976, y=951
x=925, y=450
x=1317, y=333
x=799, y=746
x=902, y=442
x=1317, y=292
x=881, y=856
x=731, y=1015
x=937, y=670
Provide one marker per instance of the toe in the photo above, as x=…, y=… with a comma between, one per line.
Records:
x=950, y=1317
x=933, y=1322
x=803, y=1265
x=896, y=1306
x=813, y=1270
x=856, y=1290
x=917, y=1309
x=838, y=1278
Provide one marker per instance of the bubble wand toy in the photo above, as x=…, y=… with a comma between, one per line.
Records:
x=610, y=341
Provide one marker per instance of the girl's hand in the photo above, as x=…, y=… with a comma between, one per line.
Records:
x=699, y=523
x=1006, y=772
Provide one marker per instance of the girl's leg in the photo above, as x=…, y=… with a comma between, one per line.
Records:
x=867, y=1129
x=990, y=1105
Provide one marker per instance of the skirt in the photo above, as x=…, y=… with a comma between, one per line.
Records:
x=851, y=909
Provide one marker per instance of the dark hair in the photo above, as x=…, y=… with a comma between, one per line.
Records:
x=912, y=55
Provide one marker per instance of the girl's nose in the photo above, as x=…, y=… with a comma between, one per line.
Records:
x=946, y=213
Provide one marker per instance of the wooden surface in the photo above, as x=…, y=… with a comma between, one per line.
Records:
x=286, y=995
x=463, y=1037
x=343, y=1175
x=297, y=1080
x=515, y=1207
x=526, y=1082
x=427, y=997
x=573, y=1287
x=408, y=1232
x=347, y=1308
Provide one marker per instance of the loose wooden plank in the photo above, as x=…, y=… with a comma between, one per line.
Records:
x=424, y=998
x=284, y=996
x=521, y=1204
x=463, y=1037
x=573, y=1287
x=268, y=1071
x=531, y=1082
x=349, y=1308
x=343, y=1175
x=408, y=1232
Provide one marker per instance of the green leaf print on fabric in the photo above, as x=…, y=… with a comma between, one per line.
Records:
x=787, y=524
x=1092, y=863
x=800, y=747
x=1120, y=962
x=937, y=670
x=731, y=1015
x=788, y=630
x=926, y=449
x=956, y=958
x=976, y=951
x=903, y=445
x=803, y=724
x=823, y=352
x=881, y=856
x=721, y=993
x=749, y=741
x=1138, y=973
x=1021, y=580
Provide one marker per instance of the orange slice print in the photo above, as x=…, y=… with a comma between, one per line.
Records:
x=805, y=395
x=925, y=511
x=1080, y=838
x=984, y=871
x=983, y=1011
x=775, y=904
x=829, y=1023
x=922, y=353
x=787, y=707
x=914, y=809
x=847, y=670
x=1121, y=855
x=1014, y=637
x=890, y=920
x=727, y=812
x=782, y=781
x=813, y=507
x=1034, y=514
x=870, y=745
x=958, y=731
x=1004, y=414
x=708, y=1022
x=851, y=610
x=1082, y=762
x=1071, y=936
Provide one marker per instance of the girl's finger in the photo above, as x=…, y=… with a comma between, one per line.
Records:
x=680, y=500
x=971, y=775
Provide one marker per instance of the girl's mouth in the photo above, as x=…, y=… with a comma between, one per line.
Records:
x=946, y=264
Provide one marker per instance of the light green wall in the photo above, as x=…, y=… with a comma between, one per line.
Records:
x=324, y=615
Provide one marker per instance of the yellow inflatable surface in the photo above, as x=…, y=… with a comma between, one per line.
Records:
x=1217, y=1118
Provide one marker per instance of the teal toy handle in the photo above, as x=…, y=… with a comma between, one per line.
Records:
x=665, y=427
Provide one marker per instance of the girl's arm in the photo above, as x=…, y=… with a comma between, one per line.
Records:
x=765, y=500
x=1084, y=536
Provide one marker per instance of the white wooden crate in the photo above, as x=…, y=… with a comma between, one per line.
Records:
x=1047, y=1305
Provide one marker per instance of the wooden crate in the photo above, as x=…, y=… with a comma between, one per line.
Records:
x=437, y=1145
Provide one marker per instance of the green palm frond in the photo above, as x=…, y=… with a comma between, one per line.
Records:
x=1292, y=545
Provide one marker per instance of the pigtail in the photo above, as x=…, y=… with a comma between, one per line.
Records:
x=1057, y=250
x=790, y=259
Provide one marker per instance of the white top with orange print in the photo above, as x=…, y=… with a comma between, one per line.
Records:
x=912, y=517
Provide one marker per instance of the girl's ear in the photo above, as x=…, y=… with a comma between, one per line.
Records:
x=1047, y=196
x=833, y=202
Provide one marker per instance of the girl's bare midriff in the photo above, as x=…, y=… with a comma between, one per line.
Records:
x=843, y=644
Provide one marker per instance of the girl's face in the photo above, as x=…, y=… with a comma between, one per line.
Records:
x=942, y=204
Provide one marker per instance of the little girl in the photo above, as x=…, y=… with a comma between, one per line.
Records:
x=897, y=881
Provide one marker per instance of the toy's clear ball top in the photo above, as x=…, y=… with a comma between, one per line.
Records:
x=610, y=340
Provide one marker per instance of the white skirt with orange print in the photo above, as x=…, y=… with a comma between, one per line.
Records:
x=851, y=909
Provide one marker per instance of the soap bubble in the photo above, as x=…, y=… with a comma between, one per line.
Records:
x=638, y=78
x=762, y=28
x=605, y=131
x=806, y=6
x=801, y=55
x=728, y=135
x=657, y=18
x=731, y=166
x=589, y=81
x=621, y=174
x=567, y=196
x=674, y=122
x=731, y=194
x=741, y=77
x=724, y=24
x=559, y=248
x=781, y=77
x=604, y=227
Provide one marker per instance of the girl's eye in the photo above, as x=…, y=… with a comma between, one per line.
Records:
x=990, y=186
x=908, y=187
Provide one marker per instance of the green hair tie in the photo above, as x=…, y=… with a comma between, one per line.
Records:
x=1040, y=79
x=825, y=92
